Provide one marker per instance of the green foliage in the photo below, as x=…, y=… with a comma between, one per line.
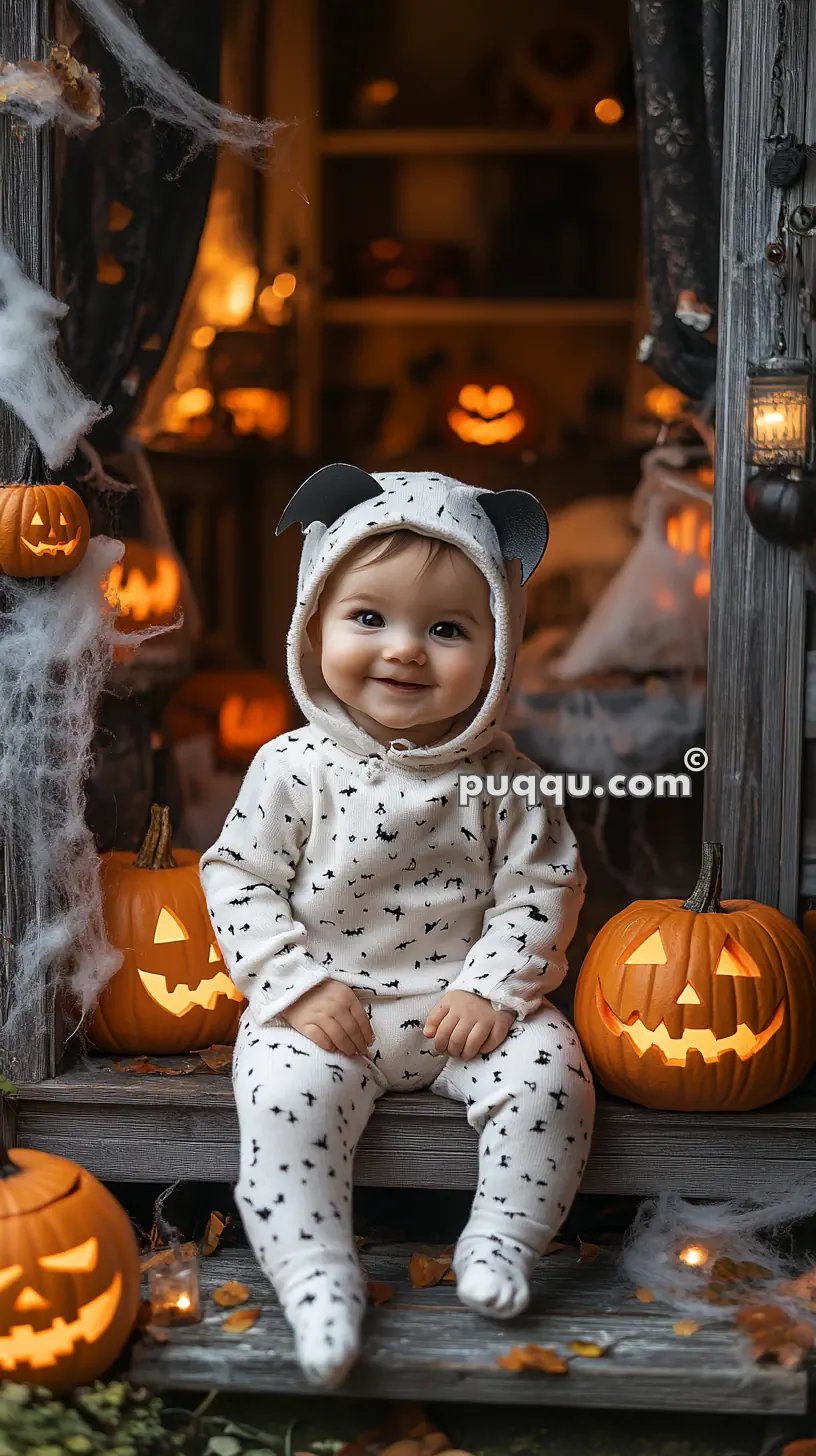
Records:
x=107, y=1420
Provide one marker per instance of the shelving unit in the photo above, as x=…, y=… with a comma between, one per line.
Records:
x=294, y=230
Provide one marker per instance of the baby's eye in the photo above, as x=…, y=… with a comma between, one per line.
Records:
x=369, y=619
x=448, y=630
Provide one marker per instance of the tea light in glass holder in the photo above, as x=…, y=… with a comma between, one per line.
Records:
x=174, y=1291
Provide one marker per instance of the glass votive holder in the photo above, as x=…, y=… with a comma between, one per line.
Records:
x=174, y=1291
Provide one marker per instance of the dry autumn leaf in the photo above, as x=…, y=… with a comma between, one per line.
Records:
x=217, y=1057
x=587, y=1349
x=168, y=1256
x=425, y=1271
x=554, y=1248
x=216, y=1223
x=449, y=1278
x=240, y=1321
x=587, y=1253
x=686, y=1327
x=645, y=1296
x=534, y=1357
x=229, y=1294
x=379, y=1293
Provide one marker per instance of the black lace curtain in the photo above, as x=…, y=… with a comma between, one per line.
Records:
x=679, y=54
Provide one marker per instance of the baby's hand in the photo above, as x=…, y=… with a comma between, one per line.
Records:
x=331, y=1016
x=463, y=1024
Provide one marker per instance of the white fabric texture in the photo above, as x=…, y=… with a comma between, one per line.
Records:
x=346, y=859
x=303, y=1110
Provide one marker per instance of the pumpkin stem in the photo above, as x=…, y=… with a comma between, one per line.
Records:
x=705, y=897
x=156, y=852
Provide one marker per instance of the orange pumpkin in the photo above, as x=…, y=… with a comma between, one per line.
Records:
x=69, y=1272
x=172, y=994
x=699, y=1005
x=242, y=710
x=44, y=530
x=488, y=412
x=145, y=587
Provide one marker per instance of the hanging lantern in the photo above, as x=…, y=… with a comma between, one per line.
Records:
x=779, y=412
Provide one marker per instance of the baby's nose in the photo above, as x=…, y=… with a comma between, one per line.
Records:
x=404, y=647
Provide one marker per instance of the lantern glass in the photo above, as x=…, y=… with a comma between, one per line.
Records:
x=779, y=413
x=175, y=1292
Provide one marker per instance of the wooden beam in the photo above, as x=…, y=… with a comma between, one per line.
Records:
x=26, y=182
x=757, y=640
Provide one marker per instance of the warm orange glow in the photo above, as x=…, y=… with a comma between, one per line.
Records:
x=689, y=532
x=702, y=584
x=270, y=306
x=248, y=722
x=183, y=998
x=194, y=402
x=734, y=961
x=674, y=1050
x=705, y=475
x=139, y=597
x=688, y=996
x=283, y=285
x=184, y=1302
x=168, y=928
x=385, y=250
x=262, y=412
x=609, y=111
x=380, y=93
x=486, y=416
x=227, y=301
x=40, y=1349
x=695, y=1255
x=651, y=952
x=203, y=336
x=666, y=403
x=486, y=402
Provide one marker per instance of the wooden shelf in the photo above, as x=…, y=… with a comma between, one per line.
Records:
x=424, y=1345
x=155, y=1128
x=473, y=141
x=523, y=311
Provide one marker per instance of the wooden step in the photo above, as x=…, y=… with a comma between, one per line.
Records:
x=159, y=1128
x=425, y=1345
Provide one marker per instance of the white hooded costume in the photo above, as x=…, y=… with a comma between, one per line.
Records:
x=350, y=860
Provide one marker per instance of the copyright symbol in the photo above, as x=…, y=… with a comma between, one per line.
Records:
x=695, y=759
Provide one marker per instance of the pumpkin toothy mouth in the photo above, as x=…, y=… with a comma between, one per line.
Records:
x=183, y=998
x=675, y=1049
x=40, y=1348
x=53, y=548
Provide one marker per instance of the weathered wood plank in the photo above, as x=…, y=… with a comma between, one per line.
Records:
x=756, y=651
x=151, y=1128
x=424, y=1344
x=26, y=165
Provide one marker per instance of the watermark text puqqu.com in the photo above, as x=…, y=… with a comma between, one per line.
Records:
x=558, y=787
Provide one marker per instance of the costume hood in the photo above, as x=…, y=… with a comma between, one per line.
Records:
x=339, y=507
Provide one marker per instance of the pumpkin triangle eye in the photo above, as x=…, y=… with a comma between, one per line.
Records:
x=734, y=961
x=688, y=996
x=651, y=952
x=214, y=954
x=168, y=927
x=63, y=520
x=79, y=1260
x=37, y=520
x=9, y=1275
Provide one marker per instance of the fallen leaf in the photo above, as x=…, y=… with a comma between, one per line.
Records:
x=800, y=1448
x=533, y=1357
x=588, y=1253
x=109, y=269
x=240, y=1321
x=802, y=1287
x=379, y=1293
x=361, y=1240
x=168, y=1256
x=229, y=1294
x=587, y=1349
x=554, y=1248
x=143, y=1066
x=216, y=1223
x=218, y=1058
x=425, y=1271
x=137, y=1064
x=449, y=1278
x=645, y=1296
x=725, y=1270
x=686, y=1327
x=118, y=217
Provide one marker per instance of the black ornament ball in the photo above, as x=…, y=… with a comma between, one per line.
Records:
x=782, y=510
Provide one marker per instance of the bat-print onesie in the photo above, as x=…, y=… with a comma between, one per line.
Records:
x=348, y=859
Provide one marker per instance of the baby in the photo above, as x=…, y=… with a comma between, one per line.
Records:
x=386, y=937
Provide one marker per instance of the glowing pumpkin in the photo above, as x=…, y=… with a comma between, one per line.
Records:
x=488, y=412
x=242, y=710
x=145, y=587
x=44, y=530
x=69, y=1272
x=172, y=994
x=699, y=1005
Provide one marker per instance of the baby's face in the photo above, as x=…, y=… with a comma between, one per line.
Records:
x=406, y=649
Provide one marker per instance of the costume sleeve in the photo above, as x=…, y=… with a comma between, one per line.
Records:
x=538, y=891
x=246, y=877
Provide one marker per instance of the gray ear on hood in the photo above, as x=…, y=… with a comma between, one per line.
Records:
x=521, y=524
x=327, y=495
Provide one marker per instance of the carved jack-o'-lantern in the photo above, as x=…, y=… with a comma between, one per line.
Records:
x=69, y=1272
x=699, y=1006
x=242, y=710
x=44, y=530
x=145, y=587
x=173, y=993
x=488, y=412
